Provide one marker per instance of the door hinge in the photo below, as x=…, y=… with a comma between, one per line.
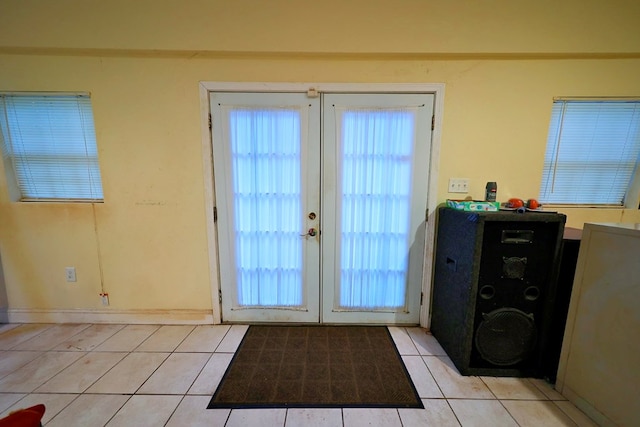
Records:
x=220, y=296
x=426, y=215
x=215, y=214
x=421, y=297
x=210, y=122
x=433, y=122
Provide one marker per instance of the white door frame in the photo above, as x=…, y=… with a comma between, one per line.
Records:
x=207, y=164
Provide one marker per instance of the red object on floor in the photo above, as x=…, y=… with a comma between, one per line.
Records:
x=28, y=417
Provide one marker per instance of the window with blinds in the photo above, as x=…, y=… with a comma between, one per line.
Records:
x=49, y=146
x=592, y=152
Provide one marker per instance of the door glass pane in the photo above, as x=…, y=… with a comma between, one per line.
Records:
x=376, y=149
x=265, y=158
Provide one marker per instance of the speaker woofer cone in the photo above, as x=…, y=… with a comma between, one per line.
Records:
x=506, y=336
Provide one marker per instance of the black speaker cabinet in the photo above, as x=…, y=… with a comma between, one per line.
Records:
x=494, y=289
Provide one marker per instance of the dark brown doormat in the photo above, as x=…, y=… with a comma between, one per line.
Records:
x=316, y=367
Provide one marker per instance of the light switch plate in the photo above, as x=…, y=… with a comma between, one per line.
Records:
x=458, y=185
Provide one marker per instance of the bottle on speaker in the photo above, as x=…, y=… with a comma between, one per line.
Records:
x=491, y=192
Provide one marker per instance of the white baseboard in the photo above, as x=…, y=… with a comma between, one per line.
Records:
x=587, y=408
x=154, y=317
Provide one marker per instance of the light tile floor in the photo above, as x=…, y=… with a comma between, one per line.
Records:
x=152, y=375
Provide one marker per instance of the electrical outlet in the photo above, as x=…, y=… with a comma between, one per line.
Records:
x=71, y=274
x=458, y=185
x=105, y=299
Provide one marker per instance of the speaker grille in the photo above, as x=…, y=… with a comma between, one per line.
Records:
x=506, y=336
x=514, y=267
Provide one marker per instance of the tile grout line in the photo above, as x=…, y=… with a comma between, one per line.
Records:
x=186, y=393
x=175, y=409
x=30, y=338
x=435, y=381
x=52, y=350
x=538, y=387
x=86, y=353
x=444, y=396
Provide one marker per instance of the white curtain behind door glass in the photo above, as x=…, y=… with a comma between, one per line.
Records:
x=376, y=168
x=265, y=156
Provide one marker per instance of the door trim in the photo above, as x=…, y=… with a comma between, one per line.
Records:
x=205, y=87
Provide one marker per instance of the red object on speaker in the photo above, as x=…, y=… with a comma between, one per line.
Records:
x=515, y=203
x=533, y=204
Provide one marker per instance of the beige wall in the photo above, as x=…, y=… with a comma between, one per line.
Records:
x=501, y=64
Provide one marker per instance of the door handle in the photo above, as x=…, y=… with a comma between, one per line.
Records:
x=311, y=233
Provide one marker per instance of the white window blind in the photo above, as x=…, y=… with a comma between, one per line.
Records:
x=592, y=152
x=49, y=145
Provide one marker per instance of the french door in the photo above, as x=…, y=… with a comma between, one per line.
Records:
x=321, y=205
